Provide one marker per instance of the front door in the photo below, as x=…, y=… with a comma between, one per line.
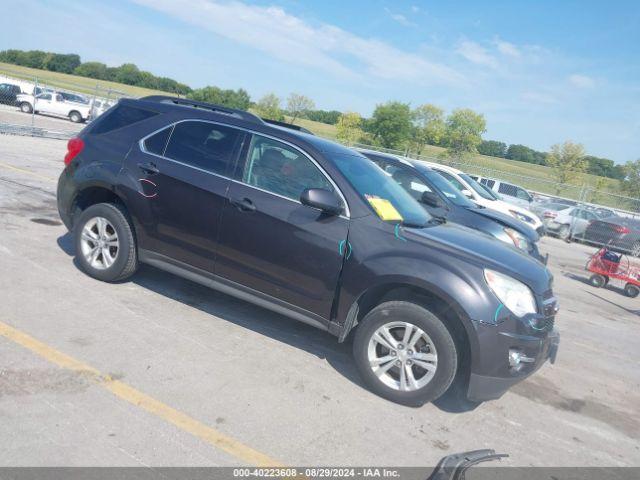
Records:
x=182, y=179
x=272, y=243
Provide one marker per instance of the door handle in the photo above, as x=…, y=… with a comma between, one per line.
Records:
x=244, y=205
x=149, y=168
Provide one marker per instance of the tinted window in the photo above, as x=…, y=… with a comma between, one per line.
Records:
x=121, y=116
x=507, y=189
x=45, y=96
x=490, y=183
x=277, y=168
x=412, y=184
x=203, y=145
x=447, y=189
x=156, y=143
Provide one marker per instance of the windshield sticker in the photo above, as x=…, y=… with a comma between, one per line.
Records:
x=384, y=208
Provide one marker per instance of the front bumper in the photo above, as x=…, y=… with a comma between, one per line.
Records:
x=533, y=338
x=488, y=387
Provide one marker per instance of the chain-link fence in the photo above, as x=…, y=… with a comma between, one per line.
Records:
x=53, y=108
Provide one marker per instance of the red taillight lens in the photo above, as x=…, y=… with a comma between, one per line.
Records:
x=621, y=229
x=74, y=147
x=550, y=214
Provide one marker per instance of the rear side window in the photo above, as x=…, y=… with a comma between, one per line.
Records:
x=507, y=189
x=122, y=116
x=203, y=145
x=157, y=142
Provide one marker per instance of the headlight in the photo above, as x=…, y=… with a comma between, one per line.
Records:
x=515, y=295
x=517, y=238
x=521, y=217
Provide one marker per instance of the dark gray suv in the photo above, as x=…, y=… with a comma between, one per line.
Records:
x=312, y=230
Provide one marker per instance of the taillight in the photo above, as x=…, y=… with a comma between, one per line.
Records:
x=74, y=147
x=621, y=229
x=550, y=214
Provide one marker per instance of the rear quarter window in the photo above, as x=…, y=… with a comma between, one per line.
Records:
x=121, y=116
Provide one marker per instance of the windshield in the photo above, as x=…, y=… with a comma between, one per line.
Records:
x=446, y=188
x=480, y=189
x=388, y=199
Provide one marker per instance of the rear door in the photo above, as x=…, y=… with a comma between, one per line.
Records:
x=182, y=179
x=272, y=243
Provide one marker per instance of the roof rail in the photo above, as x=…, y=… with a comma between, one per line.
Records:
x=287, y=125
x=249, y=117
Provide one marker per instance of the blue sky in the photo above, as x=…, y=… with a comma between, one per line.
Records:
x=540, y=71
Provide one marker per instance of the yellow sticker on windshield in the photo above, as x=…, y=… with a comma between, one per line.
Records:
x=384, y=208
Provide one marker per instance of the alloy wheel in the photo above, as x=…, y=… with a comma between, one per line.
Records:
x=99, y=243
x=402, y=356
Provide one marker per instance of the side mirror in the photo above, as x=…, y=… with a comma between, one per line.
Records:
x=431, y=198
x=323, y=200
x=467, y=193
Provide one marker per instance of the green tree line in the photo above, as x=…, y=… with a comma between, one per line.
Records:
x=392, y=125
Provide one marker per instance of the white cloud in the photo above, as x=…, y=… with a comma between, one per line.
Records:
x=293, y=40
x=581, y=81
x=398, y=17
x=507, y=48
x=415, y=8
x=476, y=53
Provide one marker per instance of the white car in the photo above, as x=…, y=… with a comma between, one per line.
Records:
x=508, y=191
x=484, y=196
x=53, y=103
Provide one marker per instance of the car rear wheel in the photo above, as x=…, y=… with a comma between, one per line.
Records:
x=598, y=280
x=405, y=353
x=631, y=290
x=105, y=244
x=25, y=107
x=75, y=117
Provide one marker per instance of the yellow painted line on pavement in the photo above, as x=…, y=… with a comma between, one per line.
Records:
x=28, y=172
x=137, y=398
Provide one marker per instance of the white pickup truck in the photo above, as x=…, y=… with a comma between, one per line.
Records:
x=53, y=103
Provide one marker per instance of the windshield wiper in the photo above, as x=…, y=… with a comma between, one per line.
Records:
x=410, y=224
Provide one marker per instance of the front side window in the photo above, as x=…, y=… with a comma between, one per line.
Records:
x=203, y=145
x=280, y=169
x=44, y=96
x=523, y=195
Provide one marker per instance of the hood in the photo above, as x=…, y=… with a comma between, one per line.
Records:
x=485, y=251
x=507, y=221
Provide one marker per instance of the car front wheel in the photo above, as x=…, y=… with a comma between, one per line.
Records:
x=75, y=117
x=25, y=107
x=405, y=353
x=105, y=243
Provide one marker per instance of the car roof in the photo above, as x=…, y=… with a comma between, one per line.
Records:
x=189, y=109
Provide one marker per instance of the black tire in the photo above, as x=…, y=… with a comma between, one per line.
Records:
x=126, y=258
x=631, y=290
x=597, y=280
x=26, y=107
x=75, y=117
x=445, y=346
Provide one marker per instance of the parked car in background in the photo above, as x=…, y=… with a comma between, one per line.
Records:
x=548, y=210
x=98, y=107
x=9, y=93
x=443, y=200
x=72, y=97
x=570, y=222
x=619, y=234
x=484, y=196
x=507, y=191
x=313, y=230
x=53, y=103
